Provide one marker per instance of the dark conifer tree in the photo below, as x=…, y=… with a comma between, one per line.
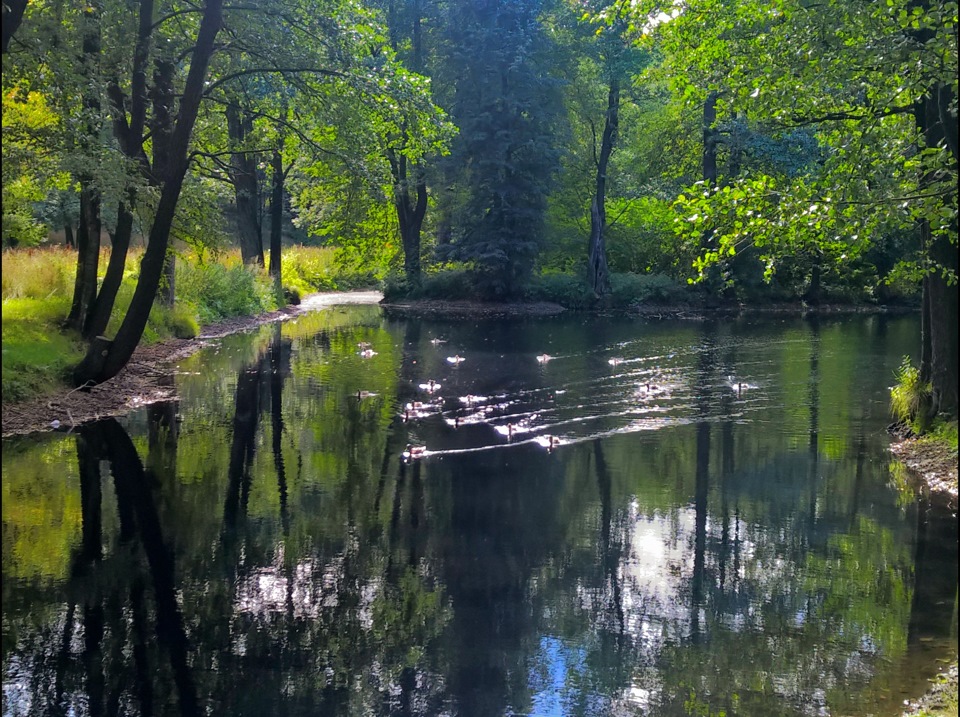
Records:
x=506, y=107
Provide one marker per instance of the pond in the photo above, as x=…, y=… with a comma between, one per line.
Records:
x=656, y=517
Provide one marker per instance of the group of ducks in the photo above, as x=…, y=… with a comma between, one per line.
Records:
x=417, y=408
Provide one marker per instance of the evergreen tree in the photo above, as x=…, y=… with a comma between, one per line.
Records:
x=507, y=107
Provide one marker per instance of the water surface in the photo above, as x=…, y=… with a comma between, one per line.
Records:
x=663, y=518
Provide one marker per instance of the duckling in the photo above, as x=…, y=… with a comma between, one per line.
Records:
x=437, y=342
x=364, y=345
x=368, y=353
x=413, y=452
x=455, y=360
x=616, y=361
x=552, y=442
x=543, y=358
x=364, y=394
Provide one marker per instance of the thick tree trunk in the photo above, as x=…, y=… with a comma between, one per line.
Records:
x=68, y=239
x=12, y=17
x=105, y=359
x=246, y=186
x=598, y=273
x=88, y=259
x=940, y=297
x=103, y=305
x=410, y=214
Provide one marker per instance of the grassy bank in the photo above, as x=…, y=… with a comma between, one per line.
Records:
x=37, y=292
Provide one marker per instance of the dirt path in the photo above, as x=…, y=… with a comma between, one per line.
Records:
x=143, y=381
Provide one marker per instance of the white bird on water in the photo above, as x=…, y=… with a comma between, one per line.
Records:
x=455, y=360
x=543, y=358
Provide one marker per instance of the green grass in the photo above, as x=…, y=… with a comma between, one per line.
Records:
x=36, y=354
x=38, y=289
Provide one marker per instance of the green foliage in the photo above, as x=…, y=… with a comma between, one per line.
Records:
x=632, y=289
x=910, y=397
x=443, y=284
x=568, y=290
x=220, y=292
x=178, y=321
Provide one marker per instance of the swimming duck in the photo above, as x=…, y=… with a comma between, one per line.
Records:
x=430, y=386
x=437, y=342
x=368, y=353
x=455, y=360
x=413, y=452
x=364, y=345
x=552, y=442
x=616, y=361
x=543, y=358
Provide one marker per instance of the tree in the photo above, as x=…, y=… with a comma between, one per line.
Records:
x=878, y=86
x=105, y=357
x=506, y=105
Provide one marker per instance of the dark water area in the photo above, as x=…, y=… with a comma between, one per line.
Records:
x=657, y=518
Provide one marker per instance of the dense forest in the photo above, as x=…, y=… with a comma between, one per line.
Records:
x=754, y=151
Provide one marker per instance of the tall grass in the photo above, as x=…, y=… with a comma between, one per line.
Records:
x=37, y=292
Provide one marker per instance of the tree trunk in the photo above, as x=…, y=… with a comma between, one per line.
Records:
x=88, y=233
x=12, y=17
x=276, y=216
x=710, y=138
x=598, y=273
x=104, y=360
x=103, y=305
x=940, y=297
x=88, y=259
x=68, y=239
x=410, y=214
x=243, y=176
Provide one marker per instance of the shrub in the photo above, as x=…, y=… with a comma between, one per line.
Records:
x=910, y=397
x=567, y=290
x=632, y=289
x=221, y=292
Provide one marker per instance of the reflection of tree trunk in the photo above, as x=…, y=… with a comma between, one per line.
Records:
x=245, y=419
x=935, y=571
x=133, y=487
x=162, y=434
x=858, y=480
x=813, y=464
x=278, y=372
x=138, y=613
x=700, y=535
x=610, y=558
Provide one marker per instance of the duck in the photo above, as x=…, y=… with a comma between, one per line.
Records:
x=430, y=386
x=364, y=394
x=455, y=360
x=437, y=342
x=616, y=361
x=368, y=353
x=543, y=358
x=412, y=452
x=552, y=442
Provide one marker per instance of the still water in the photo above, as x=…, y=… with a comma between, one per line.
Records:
x=655, y=518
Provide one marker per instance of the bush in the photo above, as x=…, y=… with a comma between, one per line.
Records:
x=568, y=290
x=220, y=292
x=910, y=397
x=632, y=289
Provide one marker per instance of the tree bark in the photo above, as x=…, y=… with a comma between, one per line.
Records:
x=103, y=362
x=246, y=186
x=88, y=232
x=410, y=213
x=598, y=273
x=940, y=297
x=276, y=215
x=12, y=17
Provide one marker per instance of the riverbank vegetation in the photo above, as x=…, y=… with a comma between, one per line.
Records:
x=596, y=154
x=37, y=286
